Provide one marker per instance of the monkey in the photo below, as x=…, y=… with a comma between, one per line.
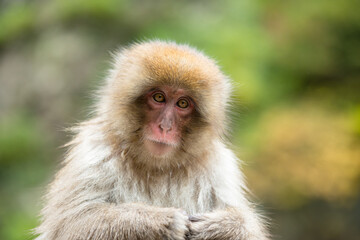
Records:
x=152, y=161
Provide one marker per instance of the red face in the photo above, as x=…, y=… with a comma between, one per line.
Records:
x=168, y=111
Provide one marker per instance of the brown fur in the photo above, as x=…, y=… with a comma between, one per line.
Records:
x=111, y=188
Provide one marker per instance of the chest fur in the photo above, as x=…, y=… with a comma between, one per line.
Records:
x=194, y=195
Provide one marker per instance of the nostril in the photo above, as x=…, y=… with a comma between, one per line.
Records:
x=168, y=129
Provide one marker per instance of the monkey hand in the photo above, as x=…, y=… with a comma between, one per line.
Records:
x=170, y=223
x=177, y=226
x=140, y=221
x=222, y=224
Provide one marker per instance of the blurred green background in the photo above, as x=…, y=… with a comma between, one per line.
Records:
x=296, y=71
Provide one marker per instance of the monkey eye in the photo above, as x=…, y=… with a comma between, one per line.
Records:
x=159, y=97
x=182, y=103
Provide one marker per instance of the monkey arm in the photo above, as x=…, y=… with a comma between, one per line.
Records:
x=239, y=222
x=126, y=221
x=229, y=223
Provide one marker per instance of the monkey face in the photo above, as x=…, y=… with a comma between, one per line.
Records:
x=164, y=104
x=168, y=111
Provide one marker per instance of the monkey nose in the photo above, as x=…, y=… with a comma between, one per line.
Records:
x=165, y=127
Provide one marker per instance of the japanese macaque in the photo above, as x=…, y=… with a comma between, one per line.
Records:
x=152, y=162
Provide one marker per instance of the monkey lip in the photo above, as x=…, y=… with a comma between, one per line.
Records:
x=158, y=147
x=162, y=142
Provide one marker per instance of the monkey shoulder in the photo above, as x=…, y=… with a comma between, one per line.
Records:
x=227, y=178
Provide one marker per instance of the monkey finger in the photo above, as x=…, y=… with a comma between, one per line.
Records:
x=195, y=218
x=188, y=235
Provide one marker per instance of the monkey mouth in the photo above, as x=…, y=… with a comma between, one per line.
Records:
x=162, y=142
x=158, y=147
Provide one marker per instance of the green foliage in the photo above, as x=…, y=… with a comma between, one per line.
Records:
x=15, y=21
x=23, y=165
x=18, y=140
x=93, y=10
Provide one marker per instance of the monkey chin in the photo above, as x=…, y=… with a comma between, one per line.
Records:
x=159, y=149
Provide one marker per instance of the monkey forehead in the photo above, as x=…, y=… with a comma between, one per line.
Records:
x=172, y=64
x=167, y=63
